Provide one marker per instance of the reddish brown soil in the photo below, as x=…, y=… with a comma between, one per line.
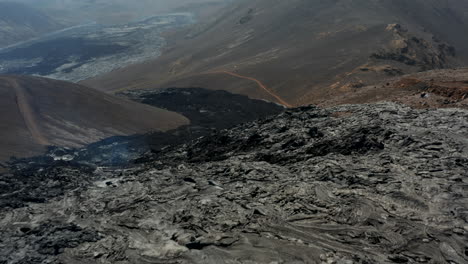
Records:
x=432, y=89
x=457, y=91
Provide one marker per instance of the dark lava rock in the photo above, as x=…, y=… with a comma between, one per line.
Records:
x=207, y=108
x=41, y=179
x=382, y=184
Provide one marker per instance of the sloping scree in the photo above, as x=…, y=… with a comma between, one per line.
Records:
x=380, y=184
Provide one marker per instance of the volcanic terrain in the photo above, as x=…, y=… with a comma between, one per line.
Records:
x=374, y=170
x=352, y=184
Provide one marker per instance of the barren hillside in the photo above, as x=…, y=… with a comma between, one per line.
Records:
x=37, y=112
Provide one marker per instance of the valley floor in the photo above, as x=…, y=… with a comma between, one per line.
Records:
x=88, y=50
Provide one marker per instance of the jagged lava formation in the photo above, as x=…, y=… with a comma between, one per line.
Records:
x=377, y=183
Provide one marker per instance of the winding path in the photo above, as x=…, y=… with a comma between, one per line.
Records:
x=259, y=83
x=27, y=113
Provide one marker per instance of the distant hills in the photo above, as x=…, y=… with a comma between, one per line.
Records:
x=19, y=22
x=306, y=51
x=37, y=112
x=22, y=20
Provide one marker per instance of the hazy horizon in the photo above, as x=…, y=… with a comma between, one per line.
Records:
x=108, y=11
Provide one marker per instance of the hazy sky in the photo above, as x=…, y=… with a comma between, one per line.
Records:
x=152, y=4
x=107, y=11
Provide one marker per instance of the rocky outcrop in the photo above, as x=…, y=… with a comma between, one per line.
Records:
x=413, y=50
x=351, y=184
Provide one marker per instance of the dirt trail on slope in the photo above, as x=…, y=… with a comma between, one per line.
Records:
x=259, y=83
x=28, y=114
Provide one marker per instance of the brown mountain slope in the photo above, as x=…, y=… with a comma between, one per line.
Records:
x=306, y=50
x=36, y=112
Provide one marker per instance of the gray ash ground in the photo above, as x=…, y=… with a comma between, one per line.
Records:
x=376, y=183
x=85, y=51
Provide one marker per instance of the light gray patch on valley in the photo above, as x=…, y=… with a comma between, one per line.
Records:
x=133, y=43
